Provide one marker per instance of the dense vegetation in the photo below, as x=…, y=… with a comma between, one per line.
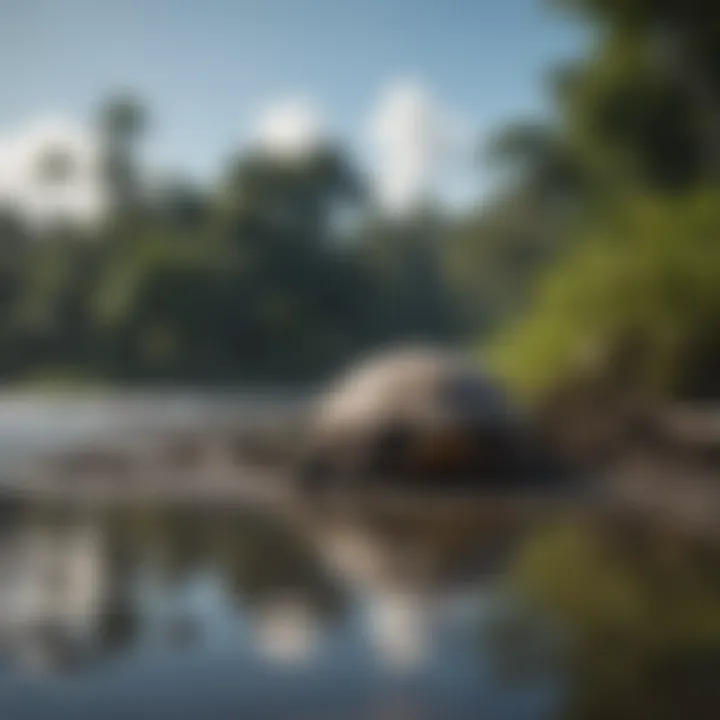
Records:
x=595, y=253
x=631, y=165
x=279, y=272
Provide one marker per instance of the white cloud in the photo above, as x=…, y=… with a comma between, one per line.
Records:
x=400, y=628
x=287, y=630
x=289, y=128
x=415, y=143
x=75, y=194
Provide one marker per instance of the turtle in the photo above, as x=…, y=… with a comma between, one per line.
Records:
x=419, y=415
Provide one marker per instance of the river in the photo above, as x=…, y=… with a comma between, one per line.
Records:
x=238, y=612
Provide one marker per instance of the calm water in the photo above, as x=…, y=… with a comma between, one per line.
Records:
x=233, y=613
x=239, y=615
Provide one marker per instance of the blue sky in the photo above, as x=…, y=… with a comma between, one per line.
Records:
x=208, y=68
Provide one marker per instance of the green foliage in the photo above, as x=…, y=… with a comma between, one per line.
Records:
x=641, y=615
x=597, y=253
x=406, y=259
x=492, y=256
x=122, y=120
x=258, y=279
x=645, y=104
x=637, y=302
x=633, y=298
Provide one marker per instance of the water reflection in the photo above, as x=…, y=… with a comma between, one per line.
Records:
x=419, y=571
x=351, y=613
x=636, y=612
x=366, y=616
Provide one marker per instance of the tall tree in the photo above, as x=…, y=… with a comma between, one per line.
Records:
x=122, y=122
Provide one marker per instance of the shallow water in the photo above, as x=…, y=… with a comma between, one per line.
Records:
x=237, y=613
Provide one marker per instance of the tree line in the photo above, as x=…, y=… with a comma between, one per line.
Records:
x=279, y=271
x=595, y=252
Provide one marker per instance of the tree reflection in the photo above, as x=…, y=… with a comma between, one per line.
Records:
x=640, y=611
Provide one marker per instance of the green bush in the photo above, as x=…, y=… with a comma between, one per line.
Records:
x=636, y=302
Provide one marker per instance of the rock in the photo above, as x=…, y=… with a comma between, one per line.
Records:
x=419, y=414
